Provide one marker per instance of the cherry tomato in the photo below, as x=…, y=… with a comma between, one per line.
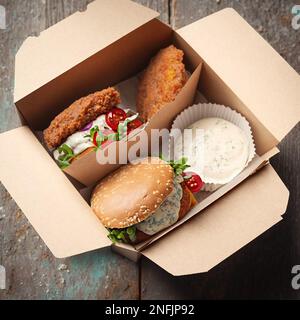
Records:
x=193, y=181
x=134, y=125
x=95, y=139
x=114, y=117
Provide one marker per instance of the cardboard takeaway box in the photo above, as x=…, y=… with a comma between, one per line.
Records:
x=112, y=41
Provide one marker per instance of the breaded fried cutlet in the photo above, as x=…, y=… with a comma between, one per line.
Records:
x=161, y=82
x=79, y=114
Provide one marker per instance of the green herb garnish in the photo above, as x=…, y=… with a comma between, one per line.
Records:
x=131, y=231
x=178, y=165
x=66, y=155
x=98, y=138
x=120, y=235
x=92, y=132
x=123, y=127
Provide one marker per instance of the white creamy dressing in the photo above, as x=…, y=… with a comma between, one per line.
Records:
x=166, y=215
x=225, y=150
x=79, y=143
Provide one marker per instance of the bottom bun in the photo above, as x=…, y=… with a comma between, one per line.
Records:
x=187, y=202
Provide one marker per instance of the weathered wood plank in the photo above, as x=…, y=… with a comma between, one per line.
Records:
x=263, y=268
x=32, y=272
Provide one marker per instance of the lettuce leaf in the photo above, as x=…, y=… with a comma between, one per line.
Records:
x=66, y=155
x=121, y=235
x=178, y=165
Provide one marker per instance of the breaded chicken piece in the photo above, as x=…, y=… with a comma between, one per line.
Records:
x=79, y=114
x=161, y=82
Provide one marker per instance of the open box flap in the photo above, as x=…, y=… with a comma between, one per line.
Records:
x=224, y=227
x=73, y=40
x=50, y=202
x=251, y=68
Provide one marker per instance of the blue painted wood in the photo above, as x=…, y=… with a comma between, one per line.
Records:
x=32, y=272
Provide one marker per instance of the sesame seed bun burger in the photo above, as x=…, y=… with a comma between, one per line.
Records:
x=139, y=200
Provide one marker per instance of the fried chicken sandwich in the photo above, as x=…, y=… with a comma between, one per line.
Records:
x=89, y=123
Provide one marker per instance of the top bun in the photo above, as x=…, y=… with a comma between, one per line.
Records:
x=132, y=193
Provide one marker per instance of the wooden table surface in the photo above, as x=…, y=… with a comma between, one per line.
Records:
x=260, y=270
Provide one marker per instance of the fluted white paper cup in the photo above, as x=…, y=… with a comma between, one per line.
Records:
x=208, y=110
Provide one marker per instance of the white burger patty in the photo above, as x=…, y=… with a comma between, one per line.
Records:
x=166, y=215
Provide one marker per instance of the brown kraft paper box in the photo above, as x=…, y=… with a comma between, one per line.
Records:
x=229, y=63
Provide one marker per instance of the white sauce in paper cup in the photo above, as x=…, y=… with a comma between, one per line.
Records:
x=223, y=148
